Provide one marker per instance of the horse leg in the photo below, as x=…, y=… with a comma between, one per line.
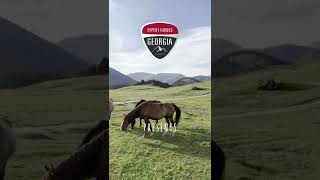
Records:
x=172, y=126
x=156, y=125
x=145, y=127
x=148, y=123
x=3, y=169
x=140, y=122
x=160, y=127
x=166, y=126
x=133, y=123
x=151, y=129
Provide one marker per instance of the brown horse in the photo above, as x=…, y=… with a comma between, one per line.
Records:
x=154, y=111
x=89, y=161
x=138, y=103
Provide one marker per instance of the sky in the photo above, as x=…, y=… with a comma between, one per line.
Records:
x=249, y=23
x=263, y=23
x=55, y=20
x=191, y=54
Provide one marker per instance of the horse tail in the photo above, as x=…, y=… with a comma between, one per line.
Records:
x=178, y=113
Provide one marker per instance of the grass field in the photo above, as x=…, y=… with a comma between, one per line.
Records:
x=76, y=101
x=183, y=156
x=269, y=134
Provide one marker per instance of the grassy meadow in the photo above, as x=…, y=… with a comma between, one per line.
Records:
x=75, y=101
x=183, y=156
x=269, y=134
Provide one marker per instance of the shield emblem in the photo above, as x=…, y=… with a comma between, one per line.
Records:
x=159, y=38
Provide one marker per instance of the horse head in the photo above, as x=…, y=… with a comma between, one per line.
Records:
x=127, y=119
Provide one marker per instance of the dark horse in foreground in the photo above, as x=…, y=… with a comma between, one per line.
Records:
x=89, y=160
x=7, y=144
x=154, y=111
x=218, y=162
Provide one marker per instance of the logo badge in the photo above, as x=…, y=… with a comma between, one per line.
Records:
x=159, y=37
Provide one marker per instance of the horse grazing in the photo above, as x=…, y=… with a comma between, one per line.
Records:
x=218, y=161
x=154, y=111
x=90, y=161
x=7, y=144
x=138, y=103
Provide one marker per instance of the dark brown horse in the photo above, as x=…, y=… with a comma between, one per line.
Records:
x=138, y=103
x=7, y=144
x=218, y=161
x=89, y=161
x=154, y=111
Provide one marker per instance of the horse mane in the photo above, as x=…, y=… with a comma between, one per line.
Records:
x=141, y=101
x=83, y=162
x=100, y=127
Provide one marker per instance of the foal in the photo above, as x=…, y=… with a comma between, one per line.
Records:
x=140, y=102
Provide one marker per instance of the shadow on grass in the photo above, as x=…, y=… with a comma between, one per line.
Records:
x=193, y=144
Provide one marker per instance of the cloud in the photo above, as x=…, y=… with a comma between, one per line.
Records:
x=56, y=20
x=113, y=6
x=263, y=23
x=191, y=56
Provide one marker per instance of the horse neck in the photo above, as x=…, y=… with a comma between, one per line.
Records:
x=134, y=113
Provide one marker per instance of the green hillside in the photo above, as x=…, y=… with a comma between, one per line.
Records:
x=183, y=156
x=270, y=134
x=75, y=105
x=55, y=102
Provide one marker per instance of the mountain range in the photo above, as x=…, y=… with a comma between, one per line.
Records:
x=21, y=51
x=24, y=56
x=162, y=77
x=117, y=79
x=90, y=47
x=231, y=59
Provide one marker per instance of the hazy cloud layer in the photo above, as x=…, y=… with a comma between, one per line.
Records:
x=190, y=56
x=55, y=20
x=261, y=23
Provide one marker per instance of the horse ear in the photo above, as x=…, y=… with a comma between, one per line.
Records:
x=124, y=115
